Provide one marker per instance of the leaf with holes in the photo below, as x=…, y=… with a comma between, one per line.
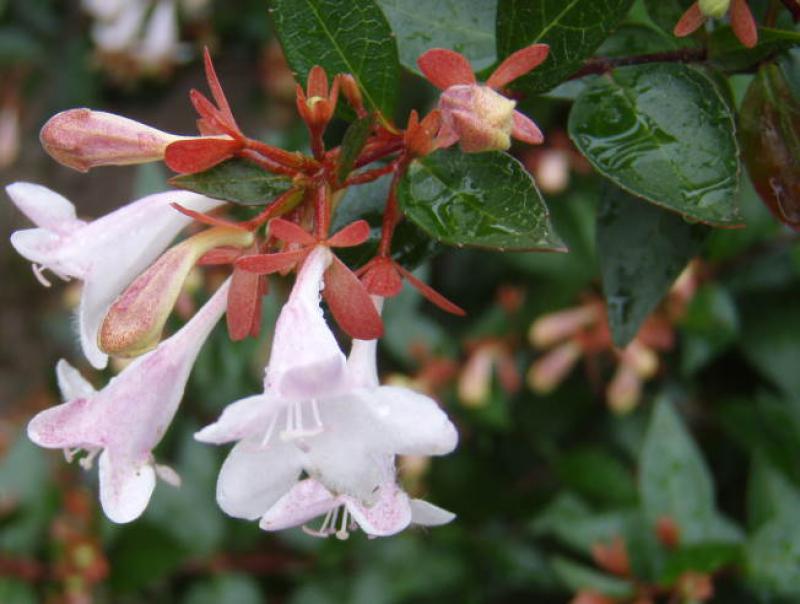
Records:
x=237, y=181
x=664, y=133
x=484, y=200
x=642, y=249
x=466, y=26
x=574, y=29
x=343, y=37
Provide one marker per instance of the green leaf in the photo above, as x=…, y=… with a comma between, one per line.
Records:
x=230, y=589
x=597, y=475
x=18, y=46
x=353, y=142
x=664, y=133
x=769, y=494
x=17, y=592
x=483, y=199
x=642, y=249
x=466, y=26
x=143, y=555
x=574, y=29
x=578, y=577
x=773, y=556
x=237, y=181
x=710, y=325
x=725, y=51
x=705, y=558
x=343, y=37
x=676, y=483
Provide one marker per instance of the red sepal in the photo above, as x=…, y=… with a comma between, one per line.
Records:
x=431, y=294
x=353, y=234
x=290, y=232
x=518, y=64
x=381, y=278
x=690, y=21
x=207, y=218
x=350, y=303
x=244, y=304
x=199, y=154
x=216, y=90
x=264, y=264
x=743, y=23
x=445, y=68
x=211, y=121
x=220, y=255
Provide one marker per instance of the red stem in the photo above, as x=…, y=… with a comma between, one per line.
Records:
x=369, y=175
x=286, y=158
x=391, y=214
x=267, y=164
x=276, y=208
x=322, y=211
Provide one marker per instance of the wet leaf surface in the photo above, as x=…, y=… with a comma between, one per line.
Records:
x=680, y=154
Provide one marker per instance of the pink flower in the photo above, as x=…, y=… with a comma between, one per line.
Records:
x=476, y=115
x=327, y=419
x=106, y=254
x=124, y=421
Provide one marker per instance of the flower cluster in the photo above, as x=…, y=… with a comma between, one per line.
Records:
x=742, y=21
x=322, y=438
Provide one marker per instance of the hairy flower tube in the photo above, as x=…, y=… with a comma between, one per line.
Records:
x=325, y=417
x=124, y=421
x=742, y=21
x=477, y=115
x=106, y=254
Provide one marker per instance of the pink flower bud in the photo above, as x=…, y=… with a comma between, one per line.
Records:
x=557, y=326
x=625, y=389
x=136, y=319
x=481, y=118
x=82, y=139
x=550, y=370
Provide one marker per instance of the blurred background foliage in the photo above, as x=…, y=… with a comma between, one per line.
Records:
x=691, y=484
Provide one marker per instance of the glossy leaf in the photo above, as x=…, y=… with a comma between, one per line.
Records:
x=667, y=13
x=770, y=135
x=705, y=558
x=573, y=29
x=769, y=494
x=466, y=26
x=727, y=52
x=342, y=37
x=484, y=200
x=237, y=181
x=642, y=249
x=773, y=556
x=664, y=133
x=353, y=142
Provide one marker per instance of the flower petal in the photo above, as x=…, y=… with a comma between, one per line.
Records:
x=46, y=208
x=305, y=501
x=390, y=514
x=690, y=21
x=445, y=68
x=362, y=365
x=239, y=420
x=518, y=64
x=411, y=423
x=253, y=478
x=71, y=383
x=125, y=488
x=526, y=130
x=427, y=514
x=69, y=425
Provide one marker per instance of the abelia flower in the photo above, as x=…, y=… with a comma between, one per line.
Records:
x=124, y=421
x=106, y=254
x=742, y=21
x=324, y=417
x=477, y=115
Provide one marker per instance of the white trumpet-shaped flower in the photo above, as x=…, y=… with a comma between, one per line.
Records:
x=106, y=254
x=124, y=421
x=329, y=420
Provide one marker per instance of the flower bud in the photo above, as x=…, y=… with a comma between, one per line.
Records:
x=481, y=118
x=475, y=381
x=625, y=389
x=557, y=326
x=550, y=370
x=136, y=319
x=714, y=8
x=82, y=139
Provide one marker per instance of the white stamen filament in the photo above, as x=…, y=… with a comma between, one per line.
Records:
x=294, y=422
x=86, y=462
x=38, y=272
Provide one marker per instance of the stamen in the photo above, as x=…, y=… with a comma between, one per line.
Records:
x=86, y=462
x=70, y=453
x=342, y=534
x=38, y=272
x=324, y=531
x=294, y=422
x=270, y=430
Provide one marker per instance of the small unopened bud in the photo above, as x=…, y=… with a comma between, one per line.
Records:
x=714, y=8
x=550, y=370
x=612, y=557
x=352, y=93
x=551, y=170
x=9, y=135
x=82, y=139
x=695, y=587
x=136, y=319
x=557, y=326
x=587, y=596
x=625, y=389
x=475, y=381
x=641, y=358
x=668, y=532
x=481, y=118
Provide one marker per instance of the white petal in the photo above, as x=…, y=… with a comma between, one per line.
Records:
x=305, y=501
x=427, y=514
x=305, y=361
x=69, y=425
x=390, y=514
x=95, y=302
x=46, y=208
x=161, y=34
x=120, y=32
x=168, y=475
x=103, y=9
x=71, y=383
x=125, y=488
x=240, y=419
x=412, y=423
x=42, y=246
x=362, y=368
x=252, y=478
